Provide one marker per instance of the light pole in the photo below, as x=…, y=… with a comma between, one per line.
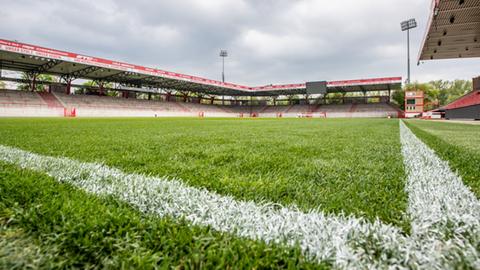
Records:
x=223, y=54
x=406, y=26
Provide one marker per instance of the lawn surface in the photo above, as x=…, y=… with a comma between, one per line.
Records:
x=457, y=143
x=337, y=165
x=47, y=225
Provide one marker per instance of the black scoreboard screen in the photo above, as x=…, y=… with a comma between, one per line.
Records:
x=316, y=87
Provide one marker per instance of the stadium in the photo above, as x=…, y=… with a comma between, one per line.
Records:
x=169, y=93
x=107, y=164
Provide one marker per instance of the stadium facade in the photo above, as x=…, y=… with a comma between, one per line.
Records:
x=453, y=32
x=130, y=80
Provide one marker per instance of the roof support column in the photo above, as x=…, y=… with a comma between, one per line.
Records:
x=185, y=96
x=68, y=80
x=101, y=85
x=34, y=81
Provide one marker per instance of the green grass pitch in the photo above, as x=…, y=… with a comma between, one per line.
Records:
x=457, y=143
x=351, y=166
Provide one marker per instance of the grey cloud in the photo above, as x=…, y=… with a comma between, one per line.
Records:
x=269, y=41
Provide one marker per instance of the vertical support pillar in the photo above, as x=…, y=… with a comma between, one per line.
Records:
x=101, y=90
x=476, y=83
x=211, y=100
x=68, y=80
x=34, y=82
x=69, y=87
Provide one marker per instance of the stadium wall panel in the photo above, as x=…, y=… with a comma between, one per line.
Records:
x=469, y=112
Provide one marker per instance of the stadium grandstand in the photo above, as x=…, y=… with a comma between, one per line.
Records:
x=143, y=91
x=453, y=31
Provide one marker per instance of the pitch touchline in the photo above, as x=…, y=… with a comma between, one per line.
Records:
x=444, y=212
x=346, y=241
x=320, y=236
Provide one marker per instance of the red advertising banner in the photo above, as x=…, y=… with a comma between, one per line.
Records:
x=37, y=51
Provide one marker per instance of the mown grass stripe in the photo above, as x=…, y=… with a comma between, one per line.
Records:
x=459, y=144
x=58, y=226
x=436, y=241
x=322, y=237
x=436, y=194
x=350, y=166
x=445, y=213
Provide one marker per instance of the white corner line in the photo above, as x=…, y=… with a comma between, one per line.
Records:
x=346, y=241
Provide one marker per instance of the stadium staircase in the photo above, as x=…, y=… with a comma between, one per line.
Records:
x=316, y=107
x=51, y=100
x=264, y=108
x=400, y=113
x=290, y=107
x=182, y=107
x=353, y=108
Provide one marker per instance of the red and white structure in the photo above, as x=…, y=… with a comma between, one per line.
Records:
x=131, y=79
x=453, y=31
x=36, y=59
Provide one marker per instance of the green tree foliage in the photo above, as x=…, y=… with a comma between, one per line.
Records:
x=39, y=86
x=398, y=97
x=437, y=93
x=91, y=87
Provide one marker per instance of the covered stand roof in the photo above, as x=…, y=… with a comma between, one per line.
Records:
x=31, y=58
x=453, y=30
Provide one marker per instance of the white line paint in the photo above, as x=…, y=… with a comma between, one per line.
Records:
x=445, y=214
x=348, y=242
x=320, y=236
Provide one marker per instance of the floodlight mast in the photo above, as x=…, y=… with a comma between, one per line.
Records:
x=406, y=26
x=223, y=54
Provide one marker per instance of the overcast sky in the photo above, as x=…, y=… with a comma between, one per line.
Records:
x=269, y=41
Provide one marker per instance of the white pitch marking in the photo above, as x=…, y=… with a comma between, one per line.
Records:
x=445, y=213
x=320, y=236
x=346, y=241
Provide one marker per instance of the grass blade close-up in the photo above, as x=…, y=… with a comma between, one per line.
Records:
x=351, y=166
x=213, y=134
x=457, y=143
x=141, y=210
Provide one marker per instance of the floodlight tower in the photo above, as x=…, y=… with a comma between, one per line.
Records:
x=223, y=54
x=406, y=26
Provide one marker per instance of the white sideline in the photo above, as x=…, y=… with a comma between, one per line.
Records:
x=443, y=211
x=347, y=242
x=321, y=237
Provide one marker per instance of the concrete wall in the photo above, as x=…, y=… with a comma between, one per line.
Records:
x=16, y=111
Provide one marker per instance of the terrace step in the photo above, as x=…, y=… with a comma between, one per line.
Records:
x=353, y=108
x=51, y=100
